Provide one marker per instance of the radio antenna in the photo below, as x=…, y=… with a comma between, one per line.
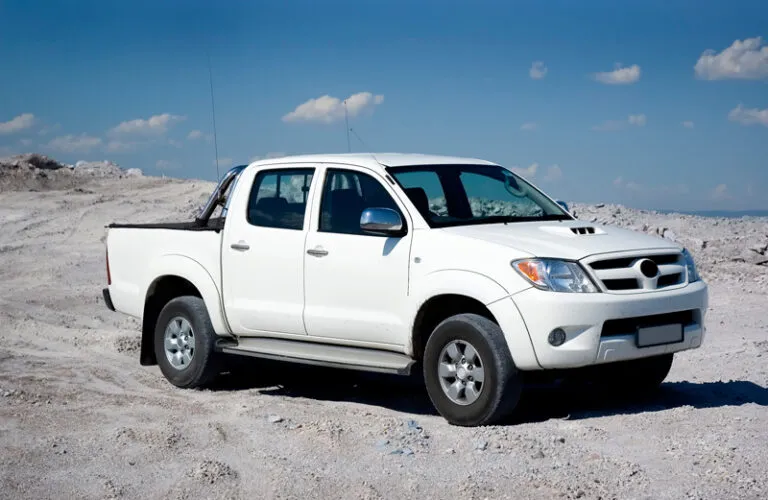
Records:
x=213, y=115
x=346, y=122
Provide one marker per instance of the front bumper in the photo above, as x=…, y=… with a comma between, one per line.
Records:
x=582, y=315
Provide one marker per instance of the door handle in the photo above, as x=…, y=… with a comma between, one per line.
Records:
x=240, y=245
x=317, y=252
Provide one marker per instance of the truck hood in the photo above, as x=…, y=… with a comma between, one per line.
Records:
x=572, y=240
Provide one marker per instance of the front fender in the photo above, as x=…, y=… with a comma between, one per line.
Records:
x=492, y=294
x=194, y=272
x=451, y=282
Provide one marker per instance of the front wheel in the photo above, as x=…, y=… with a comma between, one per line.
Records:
x=469, y=373
x=185, y=343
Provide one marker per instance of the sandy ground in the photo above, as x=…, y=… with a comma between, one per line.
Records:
x=79, y=418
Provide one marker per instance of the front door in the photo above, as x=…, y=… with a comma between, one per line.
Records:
x=263, y=252
x=356, y=284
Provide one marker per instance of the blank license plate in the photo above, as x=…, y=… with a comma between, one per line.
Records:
x=659, y=335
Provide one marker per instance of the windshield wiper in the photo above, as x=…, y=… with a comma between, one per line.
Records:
x=506, y=219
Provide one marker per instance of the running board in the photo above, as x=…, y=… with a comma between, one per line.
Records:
x=313, y=353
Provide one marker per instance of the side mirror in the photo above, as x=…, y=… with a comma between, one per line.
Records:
x=564, y=205
x=381, y=221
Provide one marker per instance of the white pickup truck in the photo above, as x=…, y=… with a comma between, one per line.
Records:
x=383, y=262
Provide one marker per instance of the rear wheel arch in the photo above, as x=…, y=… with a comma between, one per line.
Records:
x=161, y=291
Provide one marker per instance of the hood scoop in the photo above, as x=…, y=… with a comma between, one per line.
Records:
x=572, y=231
x=583, y=230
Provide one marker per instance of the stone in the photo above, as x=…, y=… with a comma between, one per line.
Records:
x=275, y=419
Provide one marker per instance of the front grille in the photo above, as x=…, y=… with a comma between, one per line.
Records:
x=627, y=261
x=624, y=274
x=669, y=280
x=626, y=326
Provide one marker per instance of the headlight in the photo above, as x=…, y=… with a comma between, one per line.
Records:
x=693, y=275
x=555, y=275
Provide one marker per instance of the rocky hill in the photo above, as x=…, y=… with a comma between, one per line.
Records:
x=33, y=171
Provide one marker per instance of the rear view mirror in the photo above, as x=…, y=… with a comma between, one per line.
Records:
x=563, y=205
x=381, y=221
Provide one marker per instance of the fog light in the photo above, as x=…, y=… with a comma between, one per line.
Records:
x=557, y=337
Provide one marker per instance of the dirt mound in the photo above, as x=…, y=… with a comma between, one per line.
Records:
x=36, y=172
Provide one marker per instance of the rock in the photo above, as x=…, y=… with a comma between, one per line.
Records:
x=558, y=439
x=600, y=205
x=275, y=419
x=670, y=235
x=407, y=452
x=449, y=451
x=538, y=455
x=414, y=425
x=760, y=248
x=481, y=444
x=133, y=172
x=97, y=169
x=32, y=160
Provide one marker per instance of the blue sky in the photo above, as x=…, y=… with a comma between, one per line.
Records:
x=675, y=127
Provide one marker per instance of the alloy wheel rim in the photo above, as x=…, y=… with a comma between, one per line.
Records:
x=461, y=372
x=179, y=343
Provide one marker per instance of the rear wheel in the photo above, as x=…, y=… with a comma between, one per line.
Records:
x=185, y=343
x=469, y=373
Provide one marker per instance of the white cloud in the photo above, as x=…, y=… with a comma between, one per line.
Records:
x=115, y=146
x=26, y=142
x=611, y=125
x=327, y=109
x=538, y=70
x=154, y=125
x=744, y=59
x=167, y=165
x=47, y=129
x=688, y=124
x=223, y=162
x=638, y=120
x=528, y=172
x=554, y=173
x=529, y=126
x=751, y=116
x=720, y=192
x=21, y=122
x=619, y=76
x=74, y=143
x=271, y=154
x=195, y=135
x=636, y=187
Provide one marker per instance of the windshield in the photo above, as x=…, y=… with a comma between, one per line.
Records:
x=454, y=195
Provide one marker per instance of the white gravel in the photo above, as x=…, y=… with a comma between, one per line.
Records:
x=79, y=418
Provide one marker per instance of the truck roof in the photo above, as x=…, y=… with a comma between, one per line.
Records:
x=376, y=161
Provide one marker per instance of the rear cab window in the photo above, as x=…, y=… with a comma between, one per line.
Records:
x=278, y=198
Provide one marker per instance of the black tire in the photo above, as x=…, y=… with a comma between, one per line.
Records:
x=204, y=366
x=502, y=386
x=638, y=376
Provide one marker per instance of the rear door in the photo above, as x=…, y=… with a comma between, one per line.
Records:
x=356, y=284
x=263, y=250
